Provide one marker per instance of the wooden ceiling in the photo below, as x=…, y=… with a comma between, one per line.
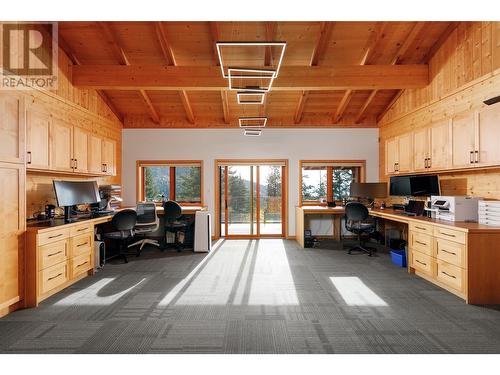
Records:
x=166, y=74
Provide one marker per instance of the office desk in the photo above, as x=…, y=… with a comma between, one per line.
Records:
x=461, y=257
x=300, y=214
x=59, y=254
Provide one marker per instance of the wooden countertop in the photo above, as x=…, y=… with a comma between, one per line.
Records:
x=463, y=226
x=45, y=226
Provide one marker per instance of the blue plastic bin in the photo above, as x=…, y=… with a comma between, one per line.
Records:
x=398, y=257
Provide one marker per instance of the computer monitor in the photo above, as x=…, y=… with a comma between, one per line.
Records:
x=369, y=190
x=70, y=193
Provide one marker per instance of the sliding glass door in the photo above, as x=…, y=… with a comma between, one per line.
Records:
x=251, y=200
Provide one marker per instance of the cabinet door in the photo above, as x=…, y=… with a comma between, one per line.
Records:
x=108, y=156
x=405, y=154
x=462, y=141
x=95, y=154
x=61, y=137
x=12, y=128
x=391, y=155
x=80, y=150
x=12, y=227
x=440, y=145
x=420, y=149
x=488, y=137
x=37, y=138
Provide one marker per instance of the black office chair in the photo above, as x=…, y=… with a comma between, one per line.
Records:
x=172, y=214
x=124, y=222
x=148, y=222
x=355, y=215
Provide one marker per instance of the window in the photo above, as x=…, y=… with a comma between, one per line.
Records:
x=328, y=180
x=170, y=180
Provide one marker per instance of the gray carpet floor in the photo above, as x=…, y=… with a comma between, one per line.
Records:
x=265, y=296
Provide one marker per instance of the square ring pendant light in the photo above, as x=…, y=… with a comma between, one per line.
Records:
x=251, y=82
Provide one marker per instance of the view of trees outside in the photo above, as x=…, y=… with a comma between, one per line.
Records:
x=313, y=184
x=187, y=183
x=156, y=182
x=270, y=204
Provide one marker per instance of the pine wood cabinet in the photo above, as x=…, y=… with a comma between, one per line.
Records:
x=61, y=146
x=37, y=138
x=12, y=227
x=80, y=150
x=95, y=154
x=12, y=129
x=487, y=134
x=399, y=154
x=421, y=149
x=108, y=156
x=463, y=140
x=439, y=149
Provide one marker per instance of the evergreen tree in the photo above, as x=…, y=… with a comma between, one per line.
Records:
x=187, y=184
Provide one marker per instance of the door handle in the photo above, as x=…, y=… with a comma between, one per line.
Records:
x=471, y=157
x=429, y=162
x=29, y=157
x=477, y=156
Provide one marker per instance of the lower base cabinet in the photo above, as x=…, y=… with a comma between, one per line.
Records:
x=56, y=258
x=462, y=261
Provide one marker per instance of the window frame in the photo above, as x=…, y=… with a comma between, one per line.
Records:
x=140, y=188
x=329, y=164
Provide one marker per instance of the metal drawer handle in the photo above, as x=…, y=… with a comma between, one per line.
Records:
x=421, y=243
x=449, y=252
x=29, y=157
x=449, y=235
x=422, y=228
x=54, y=277
x=84, y=263
x=82, y=244
x=59, y=252
x=57, y=235
x=79, y=230
x=416, y=260
x=447, y=274
x=471, y=157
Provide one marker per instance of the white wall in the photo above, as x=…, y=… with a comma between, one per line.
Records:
x=211, y=144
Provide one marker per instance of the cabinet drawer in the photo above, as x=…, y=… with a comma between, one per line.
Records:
x=450, y=275
x=421, y=262
x=421, y=242
x=53, y=277
x=450, y=252
x=80, y=264
x=449, y=234
x=53, y=236
x=422, y=228
x=81, y=245
x=80, y=229
x=51, y=254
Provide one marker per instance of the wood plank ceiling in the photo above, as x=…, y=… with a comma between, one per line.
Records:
x=303, y=95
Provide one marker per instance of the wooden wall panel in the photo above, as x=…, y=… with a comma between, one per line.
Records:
x=464, y=72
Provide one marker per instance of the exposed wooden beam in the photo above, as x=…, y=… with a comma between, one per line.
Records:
x=110, y=39
x=319, y=48
x=214, y=29
x=291, y=78
x=442, y=38
x=166, y=49
x=300, y=107
x=74, y=59
x=225, y=106
x=169, y=56
x=270, y=34
x=415, y=31
x=187, y=106
x=322, y=42
x=122, y=58
x=372, y=42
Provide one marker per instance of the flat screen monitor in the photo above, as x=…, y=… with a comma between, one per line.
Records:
x=369, y=190
x=420, y=185
x=70, y=193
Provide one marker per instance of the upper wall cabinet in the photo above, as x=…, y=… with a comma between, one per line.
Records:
x=12, y=128
x=487, y=150
x=61, y=146
x=462, y=140
x=37, y=138
x=81, y=141
x=399, y=154
x=109, y=156
x=439, y=149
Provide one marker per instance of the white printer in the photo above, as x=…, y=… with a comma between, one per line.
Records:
x=455, y=208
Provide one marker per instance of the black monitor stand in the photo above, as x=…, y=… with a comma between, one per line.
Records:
x=67, y=215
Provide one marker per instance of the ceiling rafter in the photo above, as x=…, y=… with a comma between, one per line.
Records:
x=415, y=31
x=121, y=56
x=270, y=34
x=369, y=48
x=319, y=49
x=74, y=59
x=214, y=30
x=169, y=56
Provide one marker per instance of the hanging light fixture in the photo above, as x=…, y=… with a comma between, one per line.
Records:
x=252, y=122
x=252, y=132
x=247, y=97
